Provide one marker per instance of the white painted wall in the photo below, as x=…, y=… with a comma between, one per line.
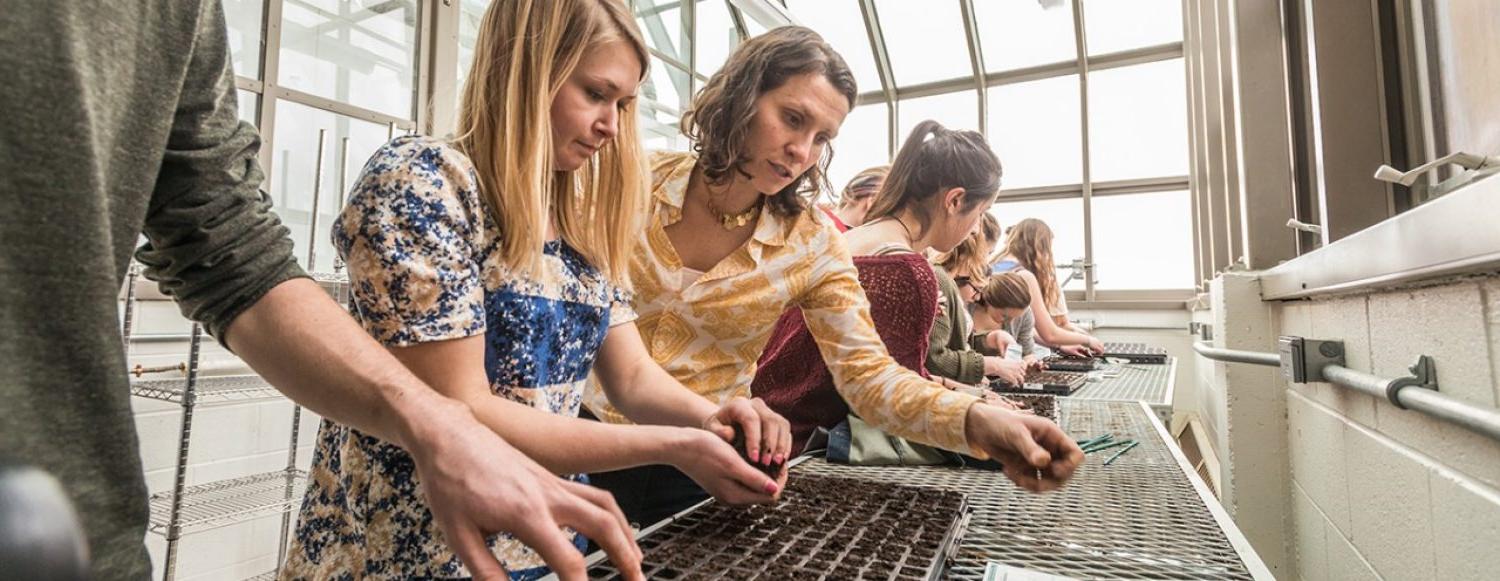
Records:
x=1369, y=491
x=1380, y=492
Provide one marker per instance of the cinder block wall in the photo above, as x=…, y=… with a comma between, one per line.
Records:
x=228, y=441
x=1381, y=492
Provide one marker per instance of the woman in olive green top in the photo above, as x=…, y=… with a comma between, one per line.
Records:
x=959, y=273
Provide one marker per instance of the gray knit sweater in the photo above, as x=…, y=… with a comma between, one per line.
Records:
x=116, y=119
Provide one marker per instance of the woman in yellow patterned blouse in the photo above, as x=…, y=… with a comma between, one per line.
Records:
x=730, y=243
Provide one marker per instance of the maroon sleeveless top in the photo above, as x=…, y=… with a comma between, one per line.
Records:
x=791, y=376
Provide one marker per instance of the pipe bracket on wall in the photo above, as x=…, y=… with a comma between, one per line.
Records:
x=1423, y=375
x=1303, y=360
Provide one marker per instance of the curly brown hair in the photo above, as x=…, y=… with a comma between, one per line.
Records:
x=718, y=123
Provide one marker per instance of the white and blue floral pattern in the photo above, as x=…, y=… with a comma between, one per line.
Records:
x=424, y=265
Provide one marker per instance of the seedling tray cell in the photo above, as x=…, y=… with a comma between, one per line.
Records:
x=823, y=528
x=1044, y=382
x=1071, y=364
x=1040, y=404
x=1135, y=352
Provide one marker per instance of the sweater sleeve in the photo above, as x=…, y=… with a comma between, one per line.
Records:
x=943, y=359
x=212, y=240
x=1025, y=333
x=878, y=389
x=976, y=342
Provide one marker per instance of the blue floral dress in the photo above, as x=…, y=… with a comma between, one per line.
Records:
x=424, y=263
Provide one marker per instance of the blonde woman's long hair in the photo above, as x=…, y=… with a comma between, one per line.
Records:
x=969, y=258
x=1030, y=242
x=525, y=51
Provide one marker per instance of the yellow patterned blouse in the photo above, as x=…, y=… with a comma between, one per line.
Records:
x=709, y=332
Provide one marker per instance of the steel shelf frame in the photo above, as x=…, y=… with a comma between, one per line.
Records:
x=189, y=509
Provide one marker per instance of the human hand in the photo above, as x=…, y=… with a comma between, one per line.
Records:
x=1074, y=350
x=768, y=436
x=476, y=485
x=996, y=399
x=719, y=469
x=999, y=340
x=1010, y=372
x=1096, y=347
x=1033, y=364
x=1032, y=451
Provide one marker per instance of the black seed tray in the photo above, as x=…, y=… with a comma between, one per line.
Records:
x=823, y=528
x=1043, y=382
x=1073, y=364
x=1136, y=352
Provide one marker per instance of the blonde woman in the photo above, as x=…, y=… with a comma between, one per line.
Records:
x=1028, y=252
x=961, y=276
x=857, y=197
x=494, y=266
x=732, y=242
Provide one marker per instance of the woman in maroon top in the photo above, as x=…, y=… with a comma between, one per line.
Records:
x=938, y=189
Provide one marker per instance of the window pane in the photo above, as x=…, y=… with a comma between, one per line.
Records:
x=1064, y=217
x=717, y=36
x=1116, y=25
x=248, y=103
x=661, y=24
x=1017, y=34
x=1138, y=121
x=349, y=52
x=295, y=165
x=667, y=86
x=842, y=25
x=243, y=18
x=926, y=40
x=663, y=98
x=470, y=16
x=1130, y=256
x=954, y=110
x=862, y=143
x=1036, y=131
x=660, y=129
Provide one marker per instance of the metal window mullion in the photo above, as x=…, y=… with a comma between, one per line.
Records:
x=976, y=58
x=689, y=17
x=426, y=45
x=342, y=108
x=270, y=71
x=1114, y=60
x=249, y=84
x=882, y=66
x=1081, y=44
x=1136, y=56
x=657, y=31
x=1230, y=107
x=1190, y=60
x=1099, y=189
x=1214, y=194
x=739, y=20
x=438, y=115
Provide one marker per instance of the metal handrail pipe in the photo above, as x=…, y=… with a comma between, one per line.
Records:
x=1237, y=356
x=1433, y=403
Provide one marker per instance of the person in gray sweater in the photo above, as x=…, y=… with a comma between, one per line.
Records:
x=118, y=119
x=1002, y=316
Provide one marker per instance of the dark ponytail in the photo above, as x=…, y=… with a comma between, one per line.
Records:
x=932, y=160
